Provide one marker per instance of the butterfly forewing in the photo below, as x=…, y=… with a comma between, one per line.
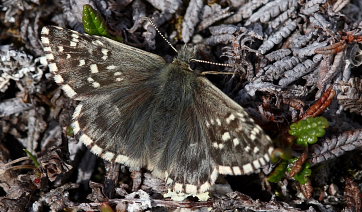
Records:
x=84, y=63
x=113, y=80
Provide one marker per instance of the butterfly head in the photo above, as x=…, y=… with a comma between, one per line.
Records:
x=185, y=54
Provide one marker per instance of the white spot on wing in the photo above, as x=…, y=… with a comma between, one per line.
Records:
x=43, y=60
x=262, y=161
x=241, y=115
x=47, y=49
x=53, y=67
x=118, y=79
x=212, y=121
x=236, y=141
x=45, y=31
x=117, y=73
x=255, y=130
x=81, y=62
x=97, y=42
x=60, y=48
x=230, y=118
x=266, y=157
x=215, y=145
x=225, y=170
x=77, y=111
x=256, y=149
x=270, y=150
x=45, y=40
x=221, y=146
x=169, y=181
x=256, y=164
x=204, y=187
x=247, y=168
x=72, y=43
x=58, y=79
x=69, y=91
x=178, y=187
x=68, y=56
x=111, y=67
x=236, y=170
x=226, y=136
x=252, y=137
x=49, y=56
x=94, y=68
x=96, y=150
x=247, y=149
x=191, y=189
x=96, y=85
x=74, y=35
x=214, y=175
x=85, y=139
x=218, y=122
x=207, y=124
x=108, y=156
x=105, y=51
x=90, y=79
x=122, y=159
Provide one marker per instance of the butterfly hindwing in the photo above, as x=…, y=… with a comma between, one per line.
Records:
x=216, y=136
x=238, y=144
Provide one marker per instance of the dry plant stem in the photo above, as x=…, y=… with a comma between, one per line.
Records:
x=299, y=163
x=216, y=72
x=353, y=195
x=20, y=167
x=155, y=203
x=111, y=179
x=321, y=104
x=136, y=180
x=16, y=161
x=307, y=189
x=332, y=49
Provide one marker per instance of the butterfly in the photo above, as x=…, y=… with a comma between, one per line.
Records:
x=137, y=109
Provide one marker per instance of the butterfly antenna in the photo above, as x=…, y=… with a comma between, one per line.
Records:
x=212, y=63
x=158, y=31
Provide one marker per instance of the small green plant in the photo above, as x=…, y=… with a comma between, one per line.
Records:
x=94, y=23
x=308, y=131
x=33, y=158
x=303, y=176
x=279, y=172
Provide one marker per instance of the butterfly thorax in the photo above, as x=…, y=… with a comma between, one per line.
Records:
x=177, y=84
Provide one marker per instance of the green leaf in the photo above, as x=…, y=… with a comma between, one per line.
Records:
x=33, y=158
x=70, y=131
x=279, y=172
x=307, y=131
x=93, y=22
x=303, y=176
